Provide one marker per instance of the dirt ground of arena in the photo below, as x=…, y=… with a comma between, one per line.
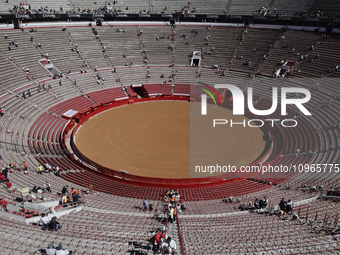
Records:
x=162, y=139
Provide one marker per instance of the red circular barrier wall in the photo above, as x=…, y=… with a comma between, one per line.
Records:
x=142, y=180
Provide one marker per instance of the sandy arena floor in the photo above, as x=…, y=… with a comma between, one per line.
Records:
x=154, y=139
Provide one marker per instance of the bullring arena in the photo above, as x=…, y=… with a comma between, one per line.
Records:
x=110, y=95
x=154, y=139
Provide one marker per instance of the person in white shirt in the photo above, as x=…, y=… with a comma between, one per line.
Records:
x=170, y=246
x=179, y=210
x=44, y=219
x=50, y=249
x=61, y=251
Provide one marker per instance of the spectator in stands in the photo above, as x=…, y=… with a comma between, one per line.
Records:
x=171, y=214
x=44, y=219
x=40, y=169
x=289, y=206
x=34, y=189
x=282, y=205
x=50, y=249
x=54, y=224
x=48, y=187
x=5, y=173
x=75, y=198
x=257, y=203
x=64, y=190
x=64, y=200
x=61, y=251
x=156, y=240
x=145, y=204
x=175, y=211
x=3, y=178
x=1, y=112
x=57, y=173
x=179, y=208
x=169, y=246
x=25, y=165
x=3, y=204
x=74, y=191
x=9, y=185
x=263, y=203
x=91, y=189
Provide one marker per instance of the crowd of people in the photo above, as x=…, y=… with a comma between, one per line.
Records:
x=160, y=241
x=49, y=169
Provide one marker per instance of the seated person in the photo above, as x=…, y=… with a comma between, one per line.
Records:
x=264, y=202
x=61, y=251
x=54, y=224
x=33, y=196
x=34, y=189
x=179, y=210
x=48, y=187
x=45, y=220
x=169, y=246
x=3, y=178
x=282, y=205
x=3, y=203
x=39, y=190
x=50, y=249
x=9, y=185
x=157, y=239
x=289, y=206
x=257, y=203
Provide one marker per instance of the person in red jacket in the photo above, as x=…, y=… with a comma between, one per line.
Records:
x=9, y=184
x=157, y=240
x=3, y=178
x=3, y=203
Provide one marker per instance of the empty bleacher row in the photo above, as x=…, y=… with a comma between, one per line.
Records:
x=251, y=233
x=75, y=235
